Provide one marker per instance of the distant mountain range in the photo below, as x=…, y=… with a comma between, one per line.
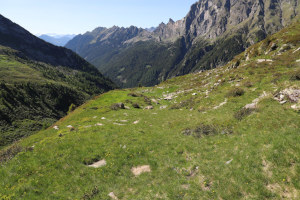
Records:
x=56, y=39
x=39, y=82
x=210, y=35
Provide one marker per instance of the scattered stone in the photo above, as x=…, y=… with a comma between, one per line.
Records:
x=124, y=121
x=282, y=102
x=155, y=101
x=119, y=124
x=296, y=107
x=98, y=164
x=127, y=108
x=99, y=124
x=70, y=126
x=113, y=196
x=89, y=126
x=117, y=106
x=298, y=60
x=149, y=108
x=254, y=103
x=136, y=122
x=194, y=94
x=216, y=84
x=56, y=127
x=229, y=161
x=140, y=169
x=94, y=117
x=187, y=132
x=285, y=48
x=163, y=107
x=264, y=60
x=103, y=118
x=251, y=106
x=291, y=94
x=221, y=104
x=186, y=186
x=296, y=51
x=168, y=98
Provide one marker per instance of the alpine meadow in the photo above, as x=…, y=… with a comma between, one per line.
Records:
x=206, y=107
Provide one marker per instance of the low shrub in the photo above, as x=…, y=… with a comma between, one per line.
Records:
x=89, y=161
x=9, y=153
x=295, y=76
x=147, y=100
x=117, y=106
x=206, y=129
x=242, y=113
x=133, y=94
x=136, y=105
x=91, y=195
x=248, y=84
x=189, y=103
x=71, y=108
x=236, y=92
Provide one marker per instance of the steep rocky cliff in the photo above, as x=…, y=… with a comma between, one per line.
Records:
x=210, y=35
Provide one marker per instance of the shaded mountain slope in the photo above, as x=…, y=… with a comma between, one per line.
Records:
x=39, y=81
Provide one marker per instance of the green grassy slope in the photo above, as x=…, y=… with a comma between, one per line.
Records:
x=33, y=95
x=200, y=144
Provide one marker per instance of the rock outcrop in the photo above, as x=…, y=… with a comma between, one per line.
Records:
x=210, y=35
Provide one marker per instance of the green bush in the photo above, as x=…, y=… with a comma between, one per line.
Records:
x=117, y=106
x=71, y=108
x=136, y=105
x=236, y=92
x=295, y=76
x=9, y=153
x=248, y=84
x=242, y=113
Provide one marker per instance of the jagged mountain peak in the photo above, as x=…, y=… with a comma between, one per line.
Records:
x=212, y=18
x=210, y=35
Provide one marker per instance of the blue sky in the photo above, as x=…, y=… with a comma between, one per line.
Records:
x=79, y=16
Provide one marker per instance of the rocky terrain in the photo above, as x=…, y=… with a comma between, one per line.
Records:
x=211, y=34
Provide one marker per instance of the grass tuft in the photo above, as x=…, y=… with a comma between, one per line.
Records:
x=236, y=92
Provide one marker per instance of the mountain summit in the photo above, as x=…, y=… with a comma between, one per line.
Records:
x=210, y=35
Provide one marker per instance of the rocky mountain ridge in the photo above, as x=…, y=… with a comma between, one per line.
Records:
x=210, y=35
